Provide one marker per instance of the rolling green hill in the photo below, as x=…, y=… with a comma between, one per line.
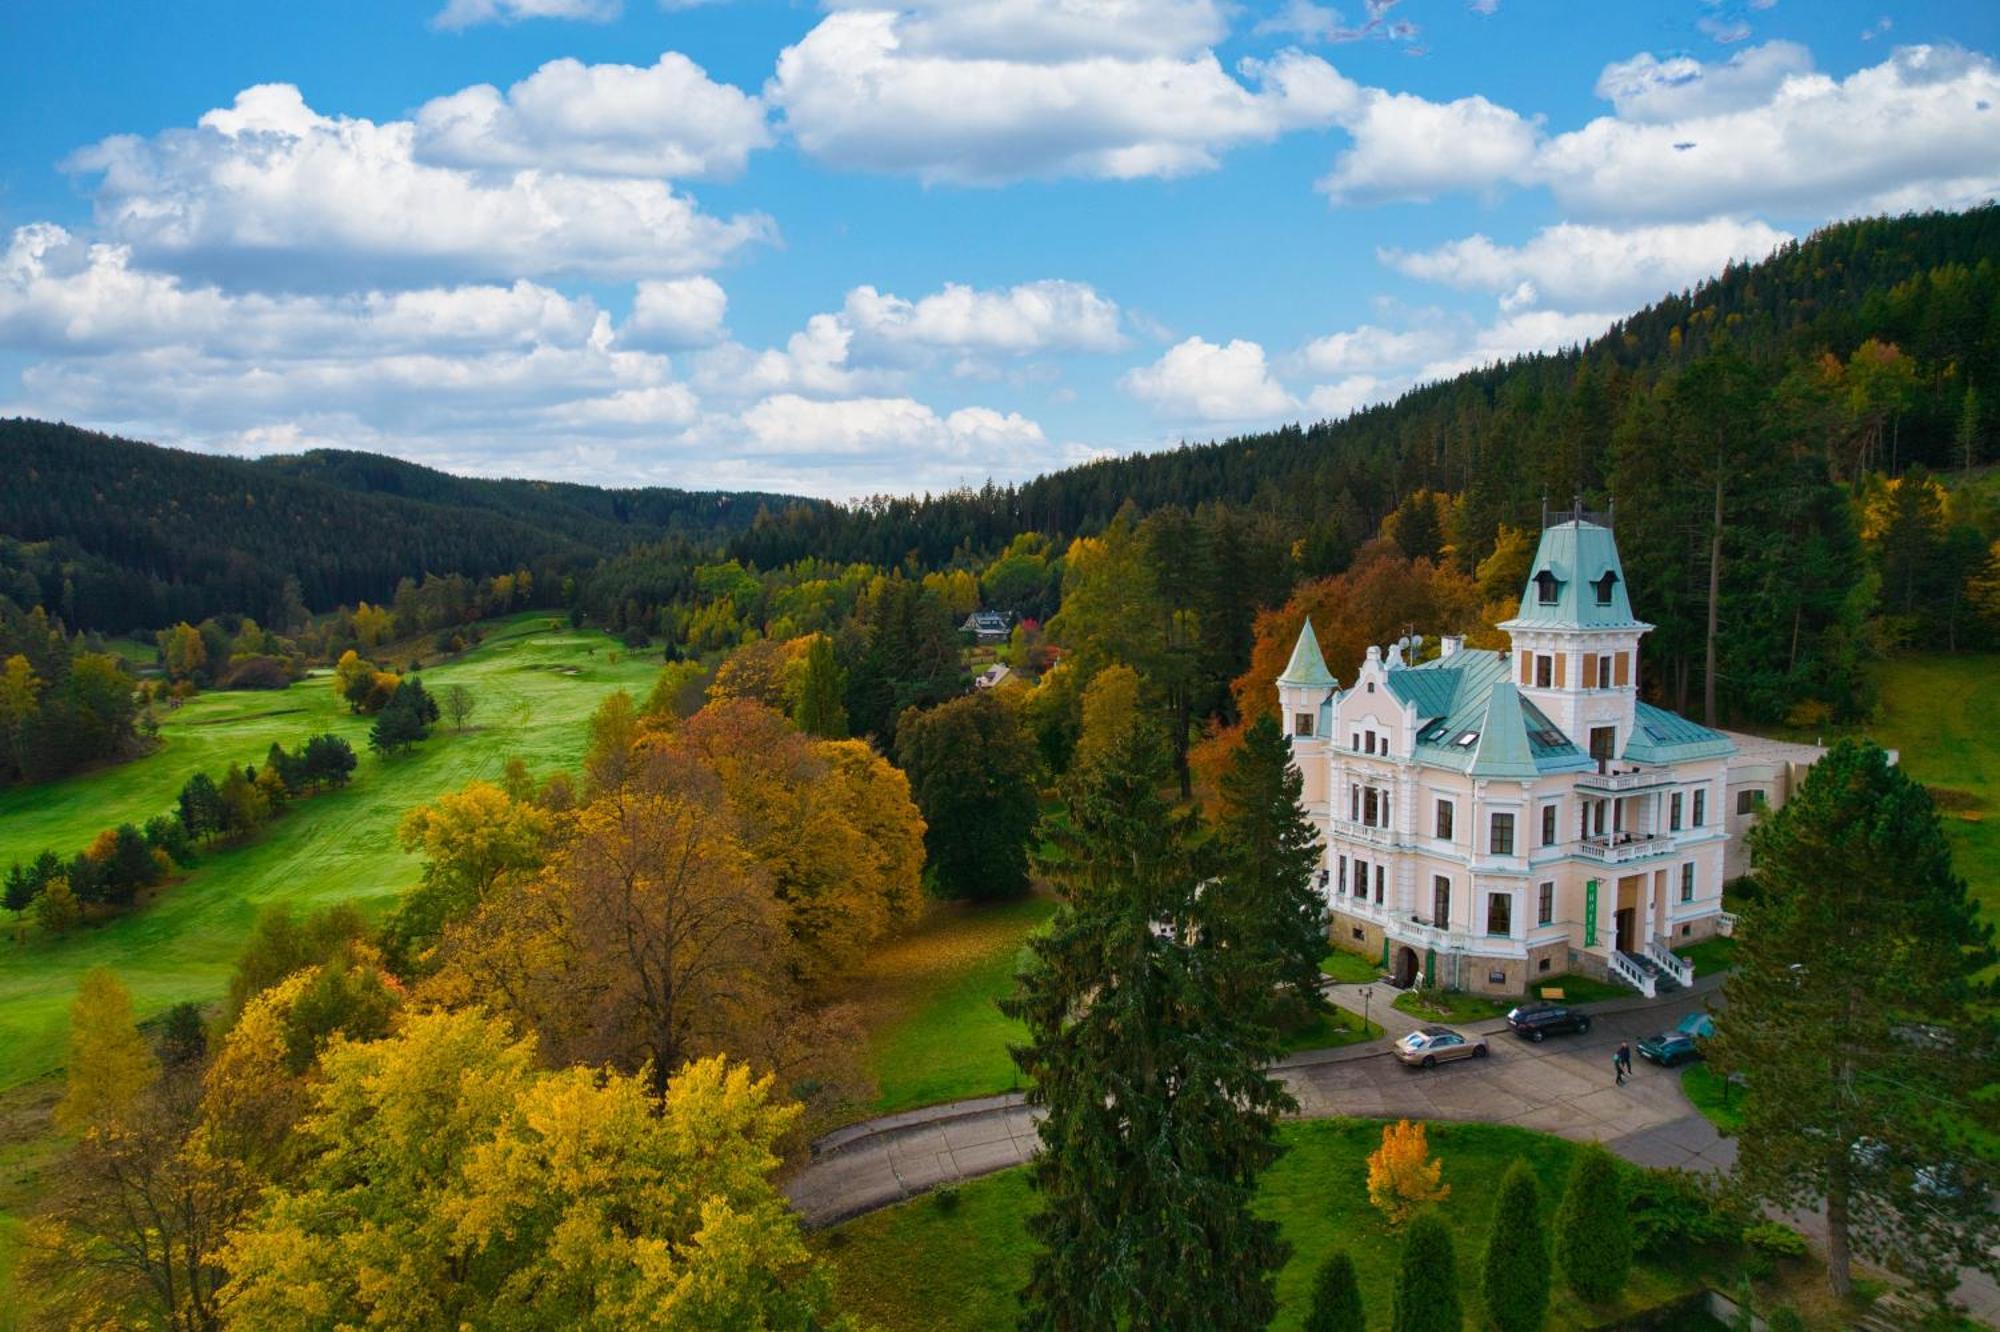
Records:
x=535, y=685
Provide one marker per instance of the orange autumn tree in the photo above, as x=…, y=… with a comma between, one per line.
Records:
x=1382, y=597
x=1403, y=1179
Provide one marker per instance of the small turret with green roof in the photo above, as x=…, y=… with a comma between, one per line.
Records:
x=1307, y=668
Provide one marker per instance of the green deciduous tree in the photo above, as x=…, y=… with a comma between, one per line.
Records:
x=1593, y=1232
x=1514, y=1276
x=1160, y=1115
x=972, y=772
x=1855, y=1016
x=1427, y=1298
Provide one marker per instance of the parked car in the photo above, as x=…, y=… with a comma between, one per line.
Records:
x=1698, y=1025
x=1427, y=1047
x=1669, y=1048
x=1536, y=1021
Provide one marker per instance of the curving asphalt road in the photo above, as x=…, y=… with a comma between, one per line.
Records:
x=1563, y=1086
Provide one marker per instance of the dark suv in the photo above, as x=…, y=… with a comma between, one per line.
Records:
x=1535, y=1021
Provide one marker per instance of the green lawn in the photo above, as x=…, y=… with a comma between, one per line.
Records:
x=1351, y=968
x=535, y=687
x=1939, y=712
x=928, y=1003
x=1580, y=989
x=920, y=1265
x=1450, y=1005
x=1330, y=1028
x=1720, y=1104
x=1714, y=954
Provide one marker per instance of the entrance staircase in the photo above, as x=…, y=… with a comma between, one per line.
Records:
x=1654, y=972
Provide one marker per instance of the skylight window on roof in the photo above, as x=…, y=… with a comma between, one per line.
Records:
x=1550, y=737
x=1466, y=739
x=1433, y=731
x=1659, y=737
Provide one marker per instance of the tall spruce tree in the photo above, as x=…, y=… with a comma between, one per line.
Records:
x=819, y=710
x=1159, y=1114
x=1265, y=899
x=1427, y=1297
x=1855, y=1016
x=1336, y=1297
x=972, y=772
x=1593, y=1231
x=1515, y=1275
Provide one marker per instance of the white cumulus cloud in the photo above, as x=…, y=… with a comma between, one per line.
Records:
x=1919, y=129
x=1198, y=380
x=1049, y=315
x=1406, y=147
x=855, y=93
x=269, y=192
x=1574, y=264
x=668, y=119
x=678, y=312
x=1649, y=90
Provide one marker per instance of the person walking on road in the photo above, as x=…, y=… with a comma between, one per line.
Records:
x=1621, y=1061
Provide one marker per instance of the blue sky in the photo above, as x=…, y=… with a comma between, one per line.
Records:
x=846, y=249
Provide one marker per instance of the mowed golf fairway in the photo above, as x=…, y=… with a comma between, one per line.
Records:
x=535, y=686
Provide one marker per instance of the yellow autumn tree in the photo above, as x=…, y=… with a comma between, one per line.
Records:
x=1403, y=1179
x=1110, y=706
x=110, y=1066
x=499, y=1196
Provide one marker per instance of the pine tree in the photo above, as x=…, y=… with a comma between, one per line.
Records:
x=21, y=890
x=1267, y=900
x=1860, y=933
x=1515, y=1276
x=1426, y=1298
x=1160, y=1116
x=201, y=807
x=819, y=710
x=1593, y=1232
x=1336, y=1297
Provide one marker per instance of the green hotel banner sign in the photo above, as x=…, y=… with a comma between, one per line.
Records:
x=1590, y=914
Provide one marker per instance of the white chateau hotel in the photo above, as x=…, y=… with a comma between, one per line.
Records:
x=1491, y=817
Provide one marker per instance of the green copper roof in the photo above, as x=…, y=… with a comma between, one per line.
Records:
x=1576, y=581
x=1479, y=721
x=1307, y=668
x=1430, y=691
x=1659, y=736
x=1502, y=749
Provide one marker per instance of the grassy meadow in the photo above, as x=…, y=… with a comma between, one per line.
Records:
x=920, y=1265
x=928, y=997
x=535, y=686
x=1940, y=712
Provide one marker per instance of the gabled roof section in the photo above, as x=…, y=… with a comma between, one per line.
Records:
x=1307, y=668
x=1659, y=736
x=1483, y=725
x=1577, y=581
x=1429, y=691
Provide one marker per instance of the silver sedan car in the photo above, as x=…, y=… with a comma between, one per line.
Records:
x=1427, y=1047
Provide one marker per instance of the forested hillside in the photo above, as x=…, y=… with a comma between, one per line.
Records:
x=116, y=535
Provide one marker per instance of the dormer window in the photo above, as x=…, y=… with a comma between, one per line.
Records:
x=1603, y=587
x=1547, y=588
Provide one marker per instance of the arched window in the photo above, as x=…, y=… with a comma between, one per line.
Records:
x=1604, y=585
x=1546, y=588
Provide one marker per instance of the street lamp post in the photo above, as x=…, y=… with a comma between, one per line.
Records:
x=1365, y=992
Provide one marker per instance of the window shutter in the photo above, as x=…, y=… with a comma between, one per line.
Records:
x=1527, y=668
x=1589, y=680
x=1561, y=659
x=1621, y=671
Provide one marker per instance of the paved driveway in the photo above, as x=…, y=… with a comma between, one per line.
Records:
x=1562, y=1086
